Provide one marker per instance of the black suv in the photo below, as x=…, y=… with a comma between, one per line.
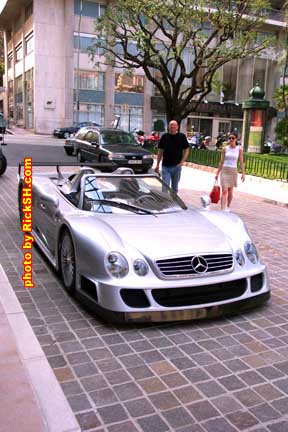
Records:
x=109, y=145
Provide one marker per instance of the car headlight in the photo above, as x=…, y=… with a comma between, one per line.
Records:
x=116, y=264
x=140, y=267
x=240, y=257
x=251, y=252
x=116, y=156
x=147, y=157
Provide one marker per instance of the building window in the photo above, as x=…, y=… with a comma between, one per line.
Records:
x=229, y=81
x=10, y=60
x=10, y=99
x=89, y=9
x=19, y=89
x=18, y=52
x=129, y=83
x=89, y=80
x=19, y=99
x=131, y=117
x=259, y=72
x=28, y=86
x=86, y=44
x=29, y=43
x=90, y=112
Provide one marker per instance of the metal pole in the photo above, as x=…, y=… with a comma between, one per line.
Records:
x=78, y=63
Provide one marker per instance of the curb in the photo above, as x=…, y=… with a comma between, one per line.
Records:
x=55, y=410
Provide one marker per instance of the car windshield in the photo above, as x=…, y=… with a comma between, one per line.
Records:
x=128, y=194
x=117, y=137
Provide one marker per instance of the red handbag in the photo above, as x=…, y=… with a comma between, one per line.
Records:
x=215, y=193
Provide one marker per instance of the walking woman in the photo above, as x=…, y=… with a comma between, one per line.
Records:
x=228, y=169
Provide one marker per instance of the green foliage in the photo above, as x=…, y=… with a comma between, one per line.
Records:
x=156, y=36
x=282, y=131
x=279, y=95
x=159, y=126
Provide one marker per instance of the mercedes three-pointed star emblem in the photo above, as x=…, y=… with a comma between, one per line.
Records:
x=199, y=264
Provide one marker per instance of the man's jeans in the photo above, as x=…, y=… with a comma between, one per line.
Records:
x=171, y=175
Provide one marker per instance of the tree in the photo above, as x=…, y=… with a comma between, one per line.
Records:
x=281, y=130
x=281, y=93
x=180, y=44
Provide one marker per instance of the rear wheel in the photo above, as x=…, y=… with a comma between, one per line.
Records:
x=67, y=262
x=3, y=164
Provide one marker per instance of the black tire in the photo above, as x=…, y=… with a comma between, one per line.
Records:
x=3, y=164
x=67, y=262
x=68, y=151
x=80, y=158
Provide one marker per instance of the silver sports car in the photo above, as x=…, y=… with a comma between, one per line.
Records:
x=133, y=250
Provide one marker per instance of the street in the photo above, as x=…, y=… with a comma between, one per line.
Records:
x=224, y=375
x=41, y=148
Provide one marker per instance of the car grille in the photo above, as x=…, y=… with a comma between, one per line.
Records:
x=188, y=266
x=205, y=294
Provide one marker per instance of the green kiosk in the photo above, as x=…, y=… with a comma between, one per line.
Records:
x=255, y=116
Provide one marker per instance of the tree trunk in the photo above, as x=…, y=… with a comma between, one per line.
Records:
x=173, y=114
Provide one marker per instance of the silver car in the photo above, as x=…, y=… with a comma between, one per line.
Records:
x=133, y=250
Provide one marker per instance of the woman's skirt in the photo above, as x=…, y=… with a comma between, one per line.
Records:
x=228, y=177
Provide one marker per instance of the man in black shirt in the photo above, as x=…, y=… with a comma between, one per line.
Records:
x=173, y=150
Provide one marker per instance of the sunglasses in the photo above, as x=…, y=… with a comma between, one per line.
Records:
x=232, y=137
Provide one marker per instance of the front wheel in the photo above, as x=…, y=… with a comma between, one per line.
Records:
x=80, y=158
x=67, y=262
x=3, y=164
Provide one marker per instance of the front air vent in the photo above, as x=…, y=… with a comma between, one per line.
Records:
x=197, y=295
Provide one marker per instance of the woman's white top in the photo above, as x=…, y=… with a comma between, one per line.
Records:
x=231, y=156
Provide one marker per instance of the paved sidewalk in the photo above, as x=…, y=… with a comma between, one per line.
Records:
x=199, y=178
x=226, y=375
x=31, y=399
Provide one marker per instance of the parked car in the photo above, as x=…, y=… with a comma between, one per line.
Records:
x=65, y=132
x=107, y=145
x=129, y=247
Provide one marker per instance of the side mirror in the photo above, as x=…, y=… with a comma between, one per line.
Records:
x=205, y=202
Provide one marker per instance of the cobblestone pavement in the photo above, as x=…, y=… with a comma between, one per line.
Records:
x=222, y=375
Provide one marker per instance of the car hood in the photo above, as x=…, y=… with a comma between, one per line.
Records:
x=188, y=232
x=127, y=149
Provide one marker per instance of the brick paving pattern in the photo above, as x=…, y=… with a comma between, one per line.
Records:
x=223, y=375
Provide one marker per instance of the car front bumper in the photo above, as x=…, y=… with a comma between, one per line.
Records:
x=208, y=312
x=218, y=296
